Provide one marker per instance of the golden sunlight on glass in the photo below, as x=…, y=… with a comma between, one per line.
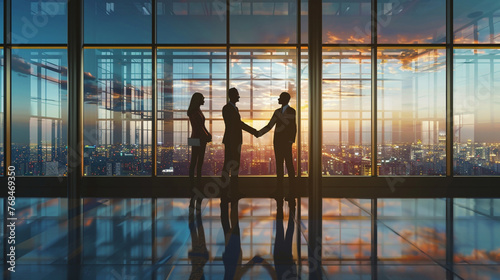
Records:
x=411, y=93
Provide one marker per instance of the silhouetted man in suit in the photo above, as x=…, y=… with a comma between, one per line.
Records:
x=232, y=142
x=284, y=137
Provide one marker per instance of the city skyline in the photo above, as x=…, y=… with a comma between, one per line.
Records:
x=118, y=108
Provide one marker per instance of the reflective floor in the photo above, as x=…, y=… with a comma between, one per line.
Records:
x=258, y=239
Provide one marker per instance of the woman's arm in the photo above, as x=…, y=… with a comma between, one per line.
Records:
x=205, y=130
x=197, y=124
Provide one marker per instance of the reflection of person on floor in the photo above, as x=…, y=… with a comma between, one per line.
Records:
x=199, y=253
x=283, y=257
x=232, y=253
x=232, y=256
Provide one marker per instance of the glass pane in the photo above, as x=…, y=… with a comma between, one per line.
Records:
x=261, y=75
x=257, y=21
x=347, y=112
x=476, y=227
x=39, y=22
x=2, y=117
x=117, y=22
x=1, y=224
x=476, y=148
x=304, y=112
x=1, y=21
x=193, y=22
x=346, y=230
x=304, y=21
x=476, y=21
x=411, y=231
x=117, y=231
x=411, y=21
x=117, y=112
x=39, y=112
x=411, y=112
x=346, y=22
x=180, y=74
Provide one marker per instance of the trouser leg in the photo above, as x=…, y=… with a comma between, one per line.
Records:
x=232, y=155
x=201, y=158
x=288, y=156
x=195, y=152
x=278, y=155
x=235, y=170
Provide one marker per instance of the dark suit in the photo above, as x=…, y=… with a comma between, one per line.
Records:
x=232, y=142
x=284, y=137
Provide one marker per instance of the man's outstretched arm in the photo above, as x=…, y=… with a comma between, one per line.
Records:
x=248, y=128
x=294, y=127
x=269, y=126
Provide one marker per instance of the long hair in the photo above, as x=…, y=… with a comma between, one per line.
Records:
x=195, y=103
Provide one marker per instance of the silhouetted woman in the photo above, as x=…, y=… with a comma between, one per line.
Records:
x=199, y=131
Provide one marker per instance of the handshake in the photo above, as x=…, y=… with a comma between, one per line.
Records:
x=257, y=133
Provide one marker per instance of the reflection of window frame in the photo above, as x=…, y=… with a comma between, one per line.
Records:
x=475, y=89
x=121, y=116
x=395, y=159
x=341, y=117
x=47, y=123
